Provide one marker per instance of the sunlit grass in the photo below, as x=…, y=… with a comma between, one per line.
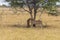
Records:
x=52, y=32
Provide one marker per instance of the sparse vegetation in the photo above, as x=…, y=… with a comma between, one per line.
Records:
x=13, y=26
x=15, y=29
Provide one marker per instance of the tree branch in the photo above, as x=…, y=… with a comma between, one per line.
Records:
x=25, y=10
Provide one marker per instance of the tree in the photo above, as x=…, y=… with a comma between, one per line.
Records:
x=33, y=5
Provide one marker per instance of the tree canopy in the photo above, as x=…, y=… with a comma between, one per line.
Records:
x=22, y=2
x=46, y=4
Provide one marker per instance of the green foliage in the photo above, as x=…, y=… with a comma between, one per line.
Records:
x=50, y=6
x=46, y=4
x=16, y=3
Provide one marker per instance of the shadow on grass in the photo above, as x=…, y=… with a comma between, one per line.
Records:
x=25, y=26
x=18, y=26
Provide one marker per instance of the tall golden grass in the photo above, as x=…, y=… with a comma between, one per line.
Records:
x=52, y=32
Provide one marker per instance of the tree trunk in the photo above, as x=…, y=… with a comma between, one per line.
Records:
x=30, y=20
x=35, y=12
x=28, y=23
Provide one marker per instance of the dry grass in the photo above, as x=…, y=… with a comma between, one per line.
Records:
x=52, y=32
x=29, y=33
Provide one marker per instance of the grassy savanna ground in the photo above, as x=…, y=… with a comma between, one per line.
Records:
x=9, y=32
